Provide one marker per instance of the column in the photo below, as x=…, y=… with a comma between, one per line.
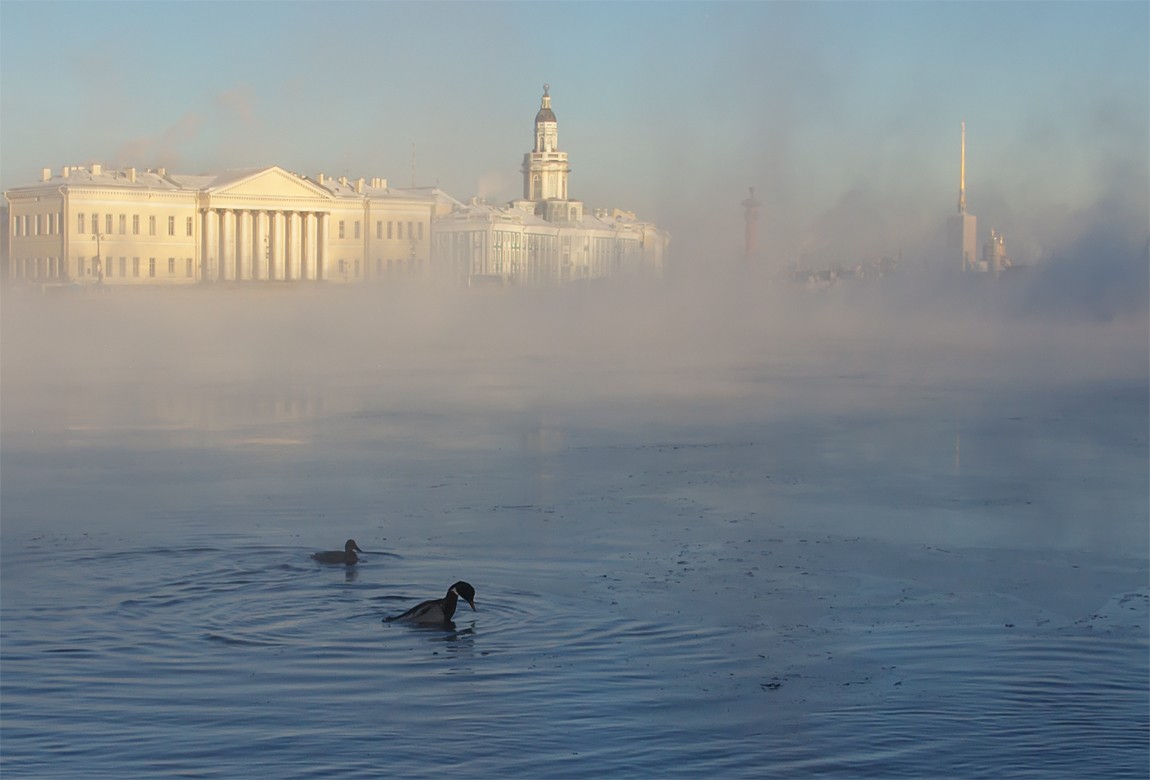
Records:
x=321, y=245
x=275, y=246
x=291, y=241
x=297, y=246
x=258, y=247
x=243, y=245
x=307, y=270
x=227, y=245
x=209, y=246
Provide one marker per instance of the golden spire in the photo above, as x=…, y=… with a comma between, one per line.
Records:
x=962, y=174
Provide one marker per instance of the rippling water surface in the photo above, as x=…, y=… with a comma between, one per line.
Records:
x=783, y=565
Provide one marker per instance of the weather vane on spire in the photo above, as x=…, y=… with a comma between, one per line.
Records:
x=546, y=89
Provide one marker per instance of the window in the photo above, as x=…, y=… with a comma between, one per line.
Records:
x=171, y=266
x=123, y=266
x=171, y=226
x=36, y=231
x=190, y=225
x=151, y=266
x=151, y=226
x=107, y=224
x=135, y=224
x=341, y=228
x=79, y=223
x=124, y=223
x=135, y=266
x=399, y=230
x=95, y=223
x=379, y=228
x=410, y=231
x=189, y=272
x=420, y=231
x=389, y=229
x=357, y=228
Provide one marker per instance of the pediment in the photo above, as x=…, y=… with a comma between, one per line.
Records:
x=268, y=183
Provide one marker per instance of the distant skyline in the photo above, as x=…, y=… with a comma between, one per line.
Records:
x=844, y=116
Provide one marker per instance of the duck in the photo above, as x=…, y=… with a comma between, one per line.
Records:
x=347, y=556
x=438, y=610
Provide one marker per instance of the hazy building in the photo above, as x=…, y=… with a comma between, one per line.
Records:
x=962, y=228
x=994, y=254
x=91, y=225
x=379, y=233
x=544, y=238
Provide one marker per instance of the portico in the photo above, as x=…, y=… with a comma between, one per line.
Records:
x=266, y=226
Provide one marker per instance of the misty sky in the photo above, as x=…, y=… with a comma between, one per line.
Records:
x=845, y=117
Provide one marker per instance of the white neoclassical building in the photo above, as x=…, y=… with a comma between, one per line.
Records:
x=544, y=238
x=91, y=225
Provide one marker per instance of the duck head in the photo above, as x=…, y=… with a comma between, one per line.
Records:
x=464, y=591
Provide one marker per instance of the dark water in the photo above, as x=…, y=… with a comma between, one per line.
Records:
x=781, y=563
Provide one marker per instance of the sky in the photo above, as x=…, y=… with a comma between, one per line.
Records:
x=845, y=117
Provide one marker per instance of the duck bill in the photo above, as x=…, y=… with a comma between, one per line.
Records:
x=472, y=603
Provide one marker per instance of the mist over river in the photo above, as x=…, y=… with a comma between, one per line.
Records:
x=711, y=536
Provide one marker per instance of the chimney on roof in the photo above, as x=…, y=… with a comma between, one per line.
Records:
x=161, y=172
x=320, y=178
x=343, y=180
x=359, y=185
x=97, y=169
x=132, y=175
x=47, y=174
x=65, y=171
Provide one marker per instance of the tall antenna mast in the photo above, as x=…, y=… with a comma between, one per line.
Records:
x=962, y=174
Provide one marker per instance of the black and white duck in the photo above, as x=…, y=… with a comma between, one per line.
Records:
x=438, y=611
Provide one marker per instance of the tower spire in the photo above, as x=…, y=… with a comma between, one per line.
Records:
x=962, y=174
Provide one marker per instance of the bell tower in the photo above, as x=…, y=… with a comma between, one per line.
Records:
x=545, y=168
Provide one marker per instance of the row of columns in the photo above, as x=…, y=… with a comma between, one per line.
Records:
x=243, y=244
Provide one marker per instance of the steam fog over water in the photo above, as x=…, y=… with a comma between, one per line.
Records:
x=715, y=530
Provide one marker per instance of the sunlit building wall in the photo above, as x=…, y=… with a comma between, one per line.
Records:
x=95, y=226
x=379, y=233
x=91, y=225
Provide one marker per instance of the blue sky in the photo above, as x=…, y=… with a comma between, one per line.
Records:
x=844, y=116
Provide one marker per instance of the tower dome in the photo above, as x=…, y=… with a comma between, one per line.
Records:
x=545, y=113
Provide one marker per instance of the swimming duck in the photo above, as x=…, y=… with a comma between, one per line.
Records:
x=347, y=556
x=439, y=610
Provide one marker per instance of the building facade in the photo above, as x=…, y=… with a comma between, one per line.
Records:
x=95, y=226
x=90, y=225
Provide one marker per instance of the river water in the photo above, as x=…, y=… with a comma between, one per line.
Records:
x=699, y=549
